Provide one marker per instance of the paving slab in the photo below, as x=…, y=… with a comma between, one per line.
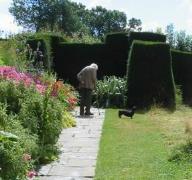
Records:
x=79, y=147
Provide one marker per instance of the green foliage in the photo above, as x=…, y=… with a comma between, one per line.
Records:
x=68, y=17
x=110, y=92
x=13, y=51
x=12, y=95
x=48, y=45
x=20, y=50
x=68, y=120
x=31, y=14
x=3, y=52
x=170, y=34
x=50, y=122
x=182, y=153
x=83, y=38
x=6, y=136
x=30, y=123
x=181, y=41
x=147, y=83
x=41, y=115
x=1, y=61
x=134, y=24
x=4, y=118
x=17, y=45
x=104, y=21
x=182, y=65
x=9, y=51
x=178, y=40
x=15, y=141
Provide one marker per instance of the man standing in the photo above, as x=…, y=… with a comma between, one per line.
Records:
x=87, y=78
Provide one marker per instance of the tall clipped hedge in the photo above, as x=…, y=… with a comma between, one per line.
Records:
x=72, y=57
x=149, y=75
x=111, y=56
x=116, y=51
x=116, y=38
x=182, y=70
x=48, y=46
x=147, y=36
x=118, y=45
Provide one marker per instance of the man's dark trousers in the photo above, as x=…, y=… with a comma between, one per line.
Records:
x=85, y=100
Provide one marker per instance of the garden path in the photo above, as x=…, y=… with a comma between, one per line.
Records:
x=79, y=147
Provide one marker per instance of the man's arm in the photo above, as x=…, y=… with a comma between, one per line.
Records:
x=80, y=76
x=94, y=79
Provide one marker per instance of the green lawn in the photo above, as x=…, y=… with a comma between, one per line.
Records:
x=139, y=148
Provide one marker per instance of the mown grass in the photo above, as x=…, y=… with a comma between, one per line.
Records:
x=140, y=148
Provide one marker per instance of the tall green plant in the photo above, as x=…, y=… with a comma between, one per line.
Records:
x=110, y=92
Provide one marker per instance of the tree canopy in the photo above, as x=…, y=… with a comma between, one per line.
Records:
x=70, y=17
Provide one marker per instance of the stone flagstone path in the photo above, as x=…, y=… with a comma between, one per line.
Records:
x=79, y=149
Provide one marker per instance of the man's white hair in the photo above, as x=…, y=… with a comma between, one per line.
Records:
x=95, y=66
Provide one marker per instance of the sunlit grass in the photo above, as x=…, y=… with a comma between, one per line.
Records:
x=140, y=148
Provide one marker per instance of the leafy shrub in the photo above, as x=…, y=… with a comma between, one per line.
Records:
x=38, y=118
x=42, y=114
x=110, y=92
x=15, y=142
x=65, y=93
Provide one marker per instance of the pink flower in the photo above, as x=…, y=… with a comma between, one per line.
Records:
x=31, y=174
x=10, y=73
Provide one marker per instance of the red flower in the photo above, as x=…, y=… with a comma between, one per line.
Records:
x=56, y=87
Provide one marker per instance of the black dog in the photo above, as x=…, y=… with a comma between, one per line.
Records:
x=127, y=112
